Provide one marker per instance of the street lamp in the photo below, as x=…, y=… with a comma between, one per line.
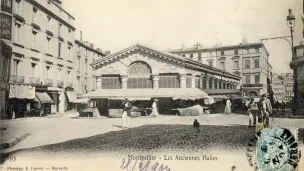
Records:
x=291, y=23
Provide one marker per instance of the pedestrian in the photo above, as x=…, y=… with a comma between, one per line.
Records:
x=252, y=112
x=154, y=108
x=228, y=107
x=266, y=110
x=126, y=113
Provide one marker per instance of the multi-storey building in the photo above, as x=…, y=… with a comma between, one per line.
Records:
x=297, y=65
x=43, y=53
x=278, y=88
x=288, y=83
x=5, y=52
x=85, y=55
x=248, y=60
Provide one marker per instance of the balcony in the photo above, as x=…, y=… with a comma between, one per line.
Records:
x=49, y=82
x=34, y=81
x=69, y=84
x=60, y=83
x=16, y=79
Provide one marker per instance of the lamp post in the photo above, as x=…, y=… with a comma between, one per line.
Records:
x=291, y=23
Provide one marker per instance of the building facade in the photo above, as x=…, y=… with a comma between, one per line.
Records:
x=5, y=52
x=248, y=60
x=297, y=64
x=85, y=76
x=278, y=88
x=43, y=51
x=288, y=83
x=142, y=73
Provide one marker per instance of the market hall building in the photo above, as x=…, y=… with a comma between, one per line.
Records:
x=141, y=73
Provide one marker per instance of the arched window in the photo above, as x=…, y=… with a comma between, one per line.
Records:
x=139, y=75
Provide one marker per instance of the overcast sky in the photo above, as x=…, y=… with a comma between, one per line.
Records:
x=167, y=24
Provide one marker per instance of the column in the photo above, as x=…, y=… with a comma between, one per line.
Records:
x=218, y=84
x=155, y=81
x=62, y=102
x=124, y=83
x=207, y=81
x=212, y=83
x=201, y=82
x=193, y=81
x=182, y=79
x=98, y=83
x=222, y=84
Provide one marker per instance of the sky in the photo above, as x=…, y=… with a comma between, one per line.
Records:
x=168, y=24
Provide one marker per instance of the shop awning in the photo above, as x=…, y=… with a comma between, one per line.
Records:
x=71, y=96
x=43, y=97
x=219, y=97
x=86, y=100
x=132, y=99
x=22, y=92
x=175, y=93
x=236, y=96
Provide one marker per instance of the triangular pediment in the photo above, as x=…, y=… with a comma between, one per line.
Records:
x=159, y=61
x=137, y=49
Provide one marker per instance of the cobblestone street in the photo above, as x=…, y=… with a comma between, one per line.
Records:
x=60, y=137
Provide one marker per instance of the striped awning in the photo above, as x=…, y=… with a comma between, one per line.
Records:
x=43, y=97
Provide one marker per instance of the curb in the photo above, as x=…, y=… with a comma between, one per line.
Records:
x=13, y=141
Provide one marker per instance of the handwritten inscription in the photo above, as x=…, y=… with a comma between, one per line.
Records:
x=130, y=165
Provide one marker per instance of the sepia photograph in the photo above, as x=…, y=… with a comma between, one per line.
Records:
x=151, y=85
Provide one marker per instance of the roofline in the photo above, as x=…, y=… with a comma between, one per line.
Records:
x=53, y=14
x=220, y=47
x=186, y=62
x=62, y=9
x=92, y=49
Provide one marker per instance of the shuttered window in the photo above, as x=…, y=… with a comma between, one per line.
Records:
x=110, y=82
x=168, y=81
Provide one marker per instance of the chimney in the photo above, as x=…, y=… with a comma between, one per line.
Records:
x=183, y=46
x=91, y=45
x=80, y=35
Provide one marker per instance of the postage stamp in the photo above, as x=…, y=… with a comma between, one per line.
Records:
x=275, y=148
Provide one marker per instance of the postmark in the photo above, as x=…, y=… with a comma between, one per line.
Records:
x=274, y=149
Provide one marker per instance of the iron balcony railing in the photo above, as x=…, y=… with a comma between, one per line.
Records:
x=49, y=82
x=34, y=80
x=59, y=83
x=69, y=84
x=16, y=79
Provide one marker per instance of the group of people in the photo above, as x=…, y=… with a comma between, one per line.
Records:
x=261, y=109
x=126, y=114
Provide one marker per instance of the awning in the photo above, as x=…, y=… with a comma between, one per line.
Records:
x=236, y=96
x=175, y=93
x=71, y=96
x=21, y=92
x=131, y=99
x=43, y=97
x=86, y=100
x=219, y=97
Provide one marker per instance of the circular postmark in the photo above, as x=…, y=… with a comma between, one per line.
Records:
x=276, y=149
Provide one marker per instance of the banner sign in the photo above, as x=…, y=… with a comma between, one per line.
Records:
x=6, y=6
x=5, y=26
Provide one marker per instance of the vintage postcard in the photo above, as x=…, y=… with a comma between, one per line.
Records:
x=152, y=85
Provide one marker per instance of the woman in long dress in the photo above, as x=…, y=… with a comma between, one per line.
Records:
x=154, y=109
x=228, y=107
